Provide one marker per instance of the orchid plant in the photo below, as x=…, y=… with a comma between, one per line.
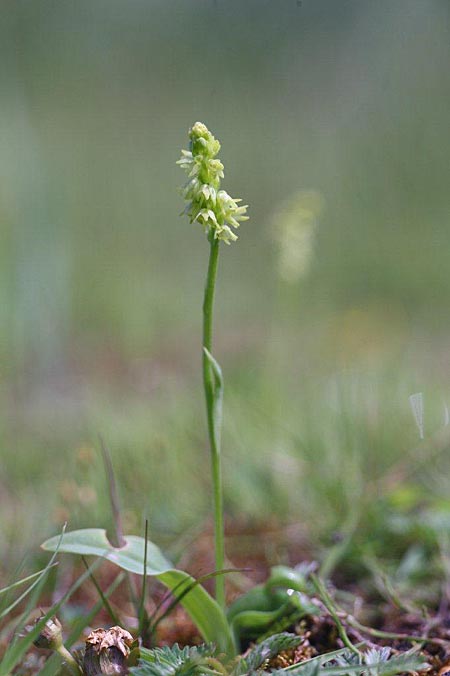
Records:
x=267, y=610
x=219, y=214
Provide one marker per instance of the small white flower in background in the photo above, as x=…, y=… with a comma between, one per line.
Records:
x=206, y=203
x=294, y=224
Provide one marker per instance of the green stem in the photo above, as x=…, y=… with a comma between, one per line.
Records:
x=213, y=414
x=378, y=633
x=329, y=605
x=70, y=664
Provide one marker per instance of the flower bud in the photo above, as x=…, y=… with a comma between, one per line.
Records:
x=107, y=652
x=50, y=637
x=199, y=130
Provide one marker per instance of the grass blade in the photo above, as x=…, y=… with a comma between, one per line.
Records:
x=53, y=664
x=17, y=649
x=144, y=623
x=103, y=598
x=24, y=580
x=35, y=587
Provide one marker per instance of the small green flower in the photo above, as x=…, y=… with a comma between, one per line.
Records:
x=206, y=203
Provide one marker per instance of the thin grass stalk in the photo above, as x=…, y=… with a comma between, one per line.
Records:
x=329, y=605
x=102, y=596
x=144, y=620
x=17, y=648
x=52, y=665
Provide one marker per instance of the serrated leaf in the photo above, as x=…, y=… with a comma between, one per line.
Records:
x=320, y=660
x=174, y=661
x=266, y=650
x=397, y=664
x=402, y=663
x=203, y=609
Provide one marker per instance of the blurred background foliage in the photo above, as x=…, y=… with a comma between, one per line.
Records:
x=333, y=118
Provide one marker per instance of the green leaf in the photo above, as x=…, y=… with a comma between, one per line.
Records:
x=17, y=648
x=217, y=373
x=52, y=665
x=397, y=664
x=261, y=609
x=175, y=661
x=203, y=609
x=14, y=585
x=94, y=542
x=266, y=650
x=320, y=660
x=343, y=664
x=39, y=575
x=389, y=668
x=285, y=577
x=253, y=623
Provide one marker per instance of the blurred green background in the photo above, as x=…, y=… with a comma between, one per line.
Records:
x=101, y=281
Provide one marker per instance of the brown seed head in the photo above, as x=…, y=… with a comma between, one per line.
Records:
x=107, y=652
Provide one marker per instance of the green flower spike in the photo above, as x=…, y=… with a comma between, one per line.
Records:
x=206, y=203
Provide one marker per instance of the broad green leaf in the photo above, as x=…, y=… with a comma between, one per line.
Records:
x=261, y=608
x=254, y=623
x=202, y=608
x=256, y=599
x=251, y=623
x=94, y=542
x=286, y=577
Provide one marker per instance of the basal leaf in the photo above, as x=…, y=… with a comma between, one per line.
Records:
x=267, y=607
x=202, y=608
